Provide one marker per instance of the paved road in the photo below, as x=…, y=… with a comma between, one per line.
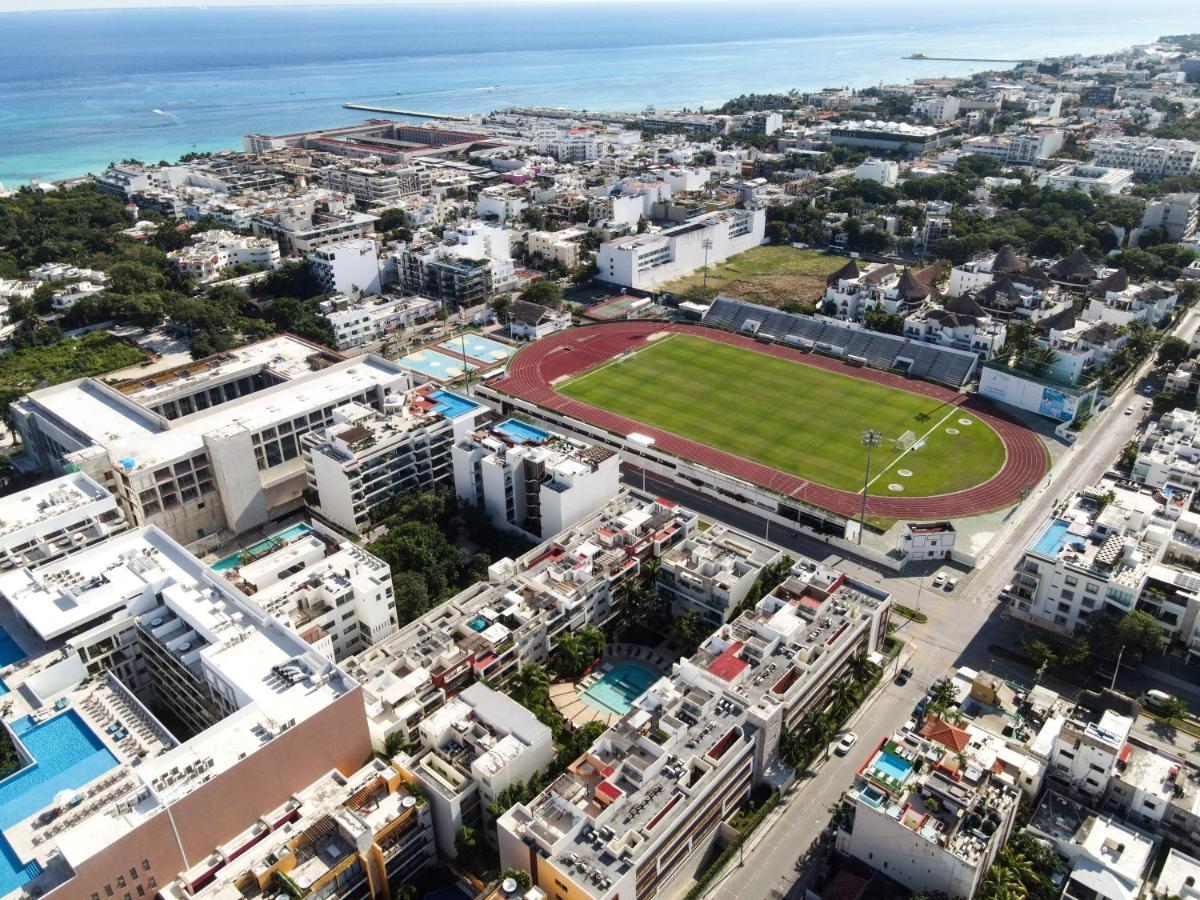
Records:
x=961, y=627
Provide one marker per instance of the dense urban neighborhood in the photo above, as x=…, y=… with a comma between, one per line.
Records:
x=794, y=498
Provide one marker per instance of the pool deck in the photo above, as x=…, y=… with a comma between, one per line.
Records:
x=567, y=696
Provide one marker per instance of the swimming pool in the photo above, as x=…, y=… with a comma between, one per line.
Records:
x=521, y=432
x=67, y=755
x=277, y=539
x=451, y=405
x=620, y=686
x=436, y=365
x=1052, y=538
x=477, y=624
x=479, y=347
x=892, y=766
x=10, y=652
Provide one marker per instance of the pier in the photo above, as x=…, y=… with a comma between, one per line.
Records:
x=923, y=57
x=411, y=113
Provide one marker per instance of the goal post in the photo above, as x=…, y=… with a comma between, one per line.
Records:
x=906, y=440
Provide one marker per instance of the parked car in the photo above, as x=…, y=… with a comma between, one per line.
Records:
x=939, y=579
x=952, y=583
x=1129, y=410
x=905, y=674
x=848, y=740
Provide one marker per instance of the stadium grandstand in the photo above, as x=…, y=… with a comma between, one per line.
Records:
x=944, y=365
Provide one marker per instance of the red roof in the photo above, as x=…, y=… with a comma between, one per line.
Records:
x=727, y=666
x=1124, y=754
x=945, y=734
x=608, y=790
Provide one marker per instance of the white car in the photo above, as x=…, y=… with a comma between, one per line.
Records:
x=1147, y=405
x=848, y=740
x=939, y=579
x=1129, y=410
x=952, y=584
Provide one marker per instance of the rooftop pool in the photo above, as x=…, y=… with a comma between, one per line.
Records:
x=278, y=539
x=1053, y=538
x=451, y=405
x=891, y=766
x=620, y=686
x=67, y=754
x=521, y=432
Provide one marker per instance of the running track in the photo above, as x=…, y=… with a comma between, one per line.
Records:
x=532, y=372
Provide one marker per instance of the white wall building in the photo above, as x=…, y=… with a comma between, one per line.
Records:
x=54, y=518
x=348, y=267
x=1156, y=157
x=885, y=171
x=712, y=572
x=647, y=260
x=532, y=480
x=211, y=252
x=1089, y=179
x=359, y=321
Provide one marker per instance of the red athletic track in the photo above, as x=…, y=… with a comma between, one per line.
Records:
x=533, y=370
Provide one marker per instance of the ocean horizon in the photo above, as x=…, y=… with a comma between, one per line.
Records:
x=84, y=88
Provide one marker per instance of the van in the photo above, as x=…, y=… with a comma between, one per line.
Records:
x=1155, y=699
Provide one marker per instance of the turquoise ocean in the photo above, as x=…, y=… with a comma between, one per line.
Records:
x=79, y=89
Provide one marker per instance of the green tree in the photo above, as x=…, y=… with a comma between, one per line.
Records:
x=1129, y=455
x=1175, y=709
x=690, y=629
x=544, y=293
x=466, y=842
x=1172, y=351
x=1133, y=636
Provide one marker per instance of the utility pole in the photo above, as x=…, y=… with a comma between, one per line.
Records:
x=707, y=245
x=1112, y=685
x=466, y=366
x=870, y=439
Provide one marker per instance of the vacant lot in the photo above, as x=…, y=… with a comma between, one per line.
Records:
x=772, y=276
x=796, y=418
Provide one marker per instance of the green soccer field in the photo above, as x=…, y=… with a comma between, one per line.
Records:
x=796, y=418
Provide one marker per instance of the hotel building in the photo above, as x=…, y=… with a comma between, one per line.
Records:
x=54, y=518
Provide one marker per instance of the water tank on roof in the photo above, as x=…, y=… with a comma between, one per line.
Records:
x=128, y=462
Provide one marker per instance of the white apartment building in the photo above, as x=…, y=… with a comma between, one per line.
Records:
x=1116, y=301
x=531, y=321
x=1156, y=157
x=377, y=186
x=493, y=628
x=1175, y=214
x=66, y=297
x=936, y=109
x=364, y=457
x=1107, y=860
x=962, y=323
x=347, y=267
x=327, y=589
x=1091, y=179
x=357, y=321
x=211, y=252
x=562, y=247
x=1169, y=454
x=926, y=540
x=477, y=745
x=853, y=291
x=646, y=260
x=884, y=171
x=302, y=224
x=712, y=572
x=257, y=714
x=1109, y=546
x=212, y=445
x=934, y=827
x=532, y=480
x=639, y=809
x=54, y=518
x=1086, y=750
x=977, y=274
x=500, y=203
x=62, y=273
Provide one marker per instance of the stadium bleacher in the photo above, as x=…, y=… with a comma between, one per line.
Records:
x=885, y=351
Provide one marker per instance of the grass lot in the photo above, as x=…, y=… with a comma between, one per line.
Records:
x=771, y=276
x=793, y=417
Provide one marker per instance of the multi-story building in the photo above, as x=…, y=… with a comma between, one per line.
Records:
x=1085, y=751
x=640, y=808
x=853, y=291
x=54, y=518
x=303, y=224
x=331, y=592
x=962, y=323
x=1175, y=214
x=924, y=811
x=365, y=457
x=1169, y=454
x=477, y=745
x=1099, y=94
x=926, y=540
x=342, y=836
x=1091, y=179
x=712, y=572
x=912, y=140
x=211, y=252
x=532, y=480
x=210, y=445
x=1155, y=157
x=347, y=267
x=500, y=203
x=153, y=635
x=1112, y=545
x=493, y=628
x=943, y=108
x=530, y=321
x=647, y=260
x=357, y=321
x=1114, y=300
x=377, y=187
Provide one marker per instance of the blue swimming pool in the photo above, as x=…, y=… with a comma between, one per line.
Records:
x=477, y=624
x=620, y=686
x=451, y=405
x=278, y=539
x=67, y=755
x=1052, y=538
x=479, y=347
x=891, y=765
x=521, y=432
x=10, y=652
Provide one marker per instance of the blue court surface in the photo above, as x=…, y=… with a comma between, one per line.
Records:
x=476, y=346
x=436, y=365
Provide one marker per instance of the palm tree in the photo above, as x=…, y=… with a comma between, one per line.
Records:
x=1038, y=360
x=529, y=682
x=862, y=669
x=1021, y=866
x=1002, y=883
